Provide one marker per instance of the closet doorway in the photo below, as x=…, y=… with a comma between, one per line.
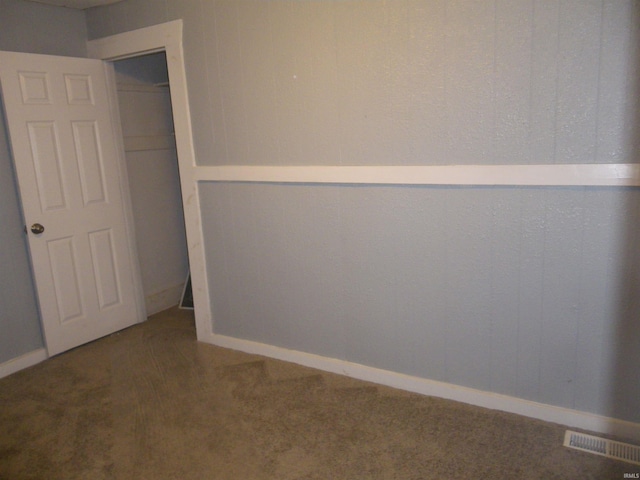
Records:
x=146, y=118
x=167, y=37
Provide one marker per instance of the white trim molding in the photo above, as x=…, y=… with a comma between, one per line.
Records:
x=494, y=401
x=24, y=361
x=612, y=175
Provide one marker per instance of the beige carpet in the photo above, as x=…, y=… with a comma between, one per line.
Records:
x=152, y=403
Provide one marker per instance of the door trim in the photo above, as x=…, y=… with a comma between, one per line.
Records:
x=167, y=37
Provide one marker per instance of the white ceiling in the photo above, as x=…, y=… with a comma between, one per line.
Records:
x=80, y=4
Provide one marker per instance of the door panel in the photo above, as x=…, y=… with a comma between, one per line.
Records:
x=88, y=153
x=70, y=180
x=63, y=257
x=45, y=152
x=105, y=268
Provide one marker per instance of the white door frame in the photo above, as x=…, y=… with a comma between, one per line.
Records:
x=167, y=37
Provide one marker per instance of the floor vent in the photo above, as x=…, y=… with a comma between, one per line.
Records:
x=601, y=446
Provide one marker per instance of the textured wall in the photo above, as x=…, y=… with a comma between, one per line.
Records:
x=33, y=28
x=530, y=292
x=404, y=82
x=19, y=321
x=36, y=28
x=521, y=291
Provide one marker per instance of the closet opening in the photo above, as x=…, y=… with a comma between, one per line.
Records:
x=146, y=118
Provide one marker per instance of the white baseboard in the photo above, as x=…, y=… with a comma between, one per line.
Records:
x=549, y=413
x=167, y=298
x=24, y=361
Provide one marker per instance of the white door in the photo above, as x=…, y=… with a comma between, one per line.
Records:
x=70, y=180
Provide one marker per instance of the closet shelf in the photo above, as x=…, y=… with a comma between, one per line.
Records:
x=142, y=87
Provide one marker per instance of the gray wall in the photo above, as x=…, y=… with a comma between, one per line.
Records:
x=526, y=291
x=366, y=82
x=518, y=291
x=19, y=321
x=33, y=28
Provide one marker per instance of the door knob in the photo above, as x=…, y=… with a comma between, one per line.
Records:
x=37, y=228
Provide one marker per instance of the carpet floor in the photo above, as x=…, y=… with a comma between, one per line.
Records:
x=151, y=402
